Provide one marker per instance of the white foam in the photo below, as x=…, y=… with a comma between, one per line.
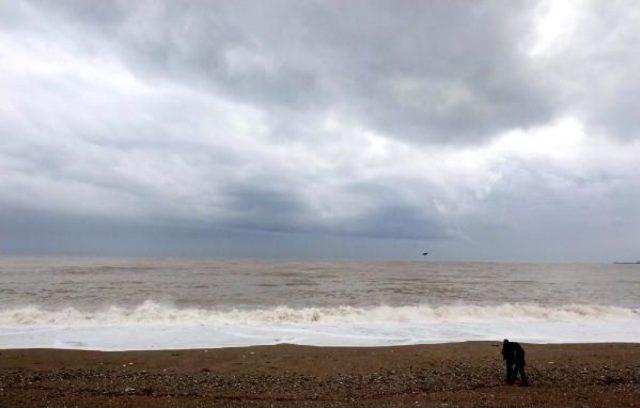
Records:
x=153, y=325
x=153, y=313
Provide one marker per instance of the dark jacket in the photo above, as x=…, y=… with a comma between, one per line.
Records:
x=512, y=351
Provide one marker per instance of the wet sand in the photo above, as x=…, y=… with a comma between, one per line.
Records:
x=446, y=375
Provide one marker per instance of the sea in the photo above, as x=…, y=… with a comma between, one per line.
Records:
x=144, y=304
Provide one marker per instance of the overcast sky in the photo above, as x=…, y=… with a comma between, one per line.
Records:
x=321, y=129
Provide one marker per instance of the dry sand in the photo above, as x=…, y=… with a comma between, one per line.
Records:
x=447, y=375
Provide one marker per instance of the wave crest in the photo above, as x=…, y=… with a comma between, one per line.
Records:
x=154, y=313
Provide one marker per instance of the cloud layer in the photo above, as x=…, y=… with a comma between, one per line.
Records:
x=485, y=130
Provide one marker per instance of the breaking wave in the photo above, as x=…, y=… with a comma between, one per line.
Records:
x=153, y=313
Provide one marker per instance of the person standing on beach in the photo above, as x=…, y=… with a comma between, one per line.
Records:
x=513, y=355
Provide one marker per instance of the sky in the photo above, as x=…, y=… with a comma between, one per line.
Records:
x=321, y=129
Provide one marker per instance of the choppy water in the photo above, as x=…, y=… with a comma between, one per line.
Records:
x=143, y=304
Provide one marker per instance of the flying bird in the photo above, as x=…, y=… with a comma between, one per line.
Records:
x=425, y=253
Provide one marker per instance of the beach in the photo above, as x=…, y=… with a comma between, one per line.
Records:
x=467, y=374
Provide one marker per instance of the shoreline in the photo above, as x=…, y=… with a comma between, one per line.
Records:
x=450, y=374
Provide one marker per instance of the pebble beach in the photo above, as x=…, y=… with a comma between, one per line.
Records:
x=466, y=374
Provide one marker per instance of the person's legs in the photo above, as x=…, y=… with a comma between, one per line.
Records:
x=523, y=376
x=510, y=373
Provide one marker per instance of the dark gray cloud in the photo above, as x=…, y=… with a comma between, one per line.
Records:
x=425, y=72
x=355, y=122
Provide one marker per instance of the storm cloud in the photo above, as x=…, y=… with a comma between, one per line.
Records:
x=321, y=129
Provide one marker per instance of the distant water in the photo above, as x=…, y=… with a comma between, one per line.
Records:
x=149, y=304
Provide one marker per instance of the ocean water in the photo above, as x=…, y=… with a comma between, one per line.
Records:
x=120, y=304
